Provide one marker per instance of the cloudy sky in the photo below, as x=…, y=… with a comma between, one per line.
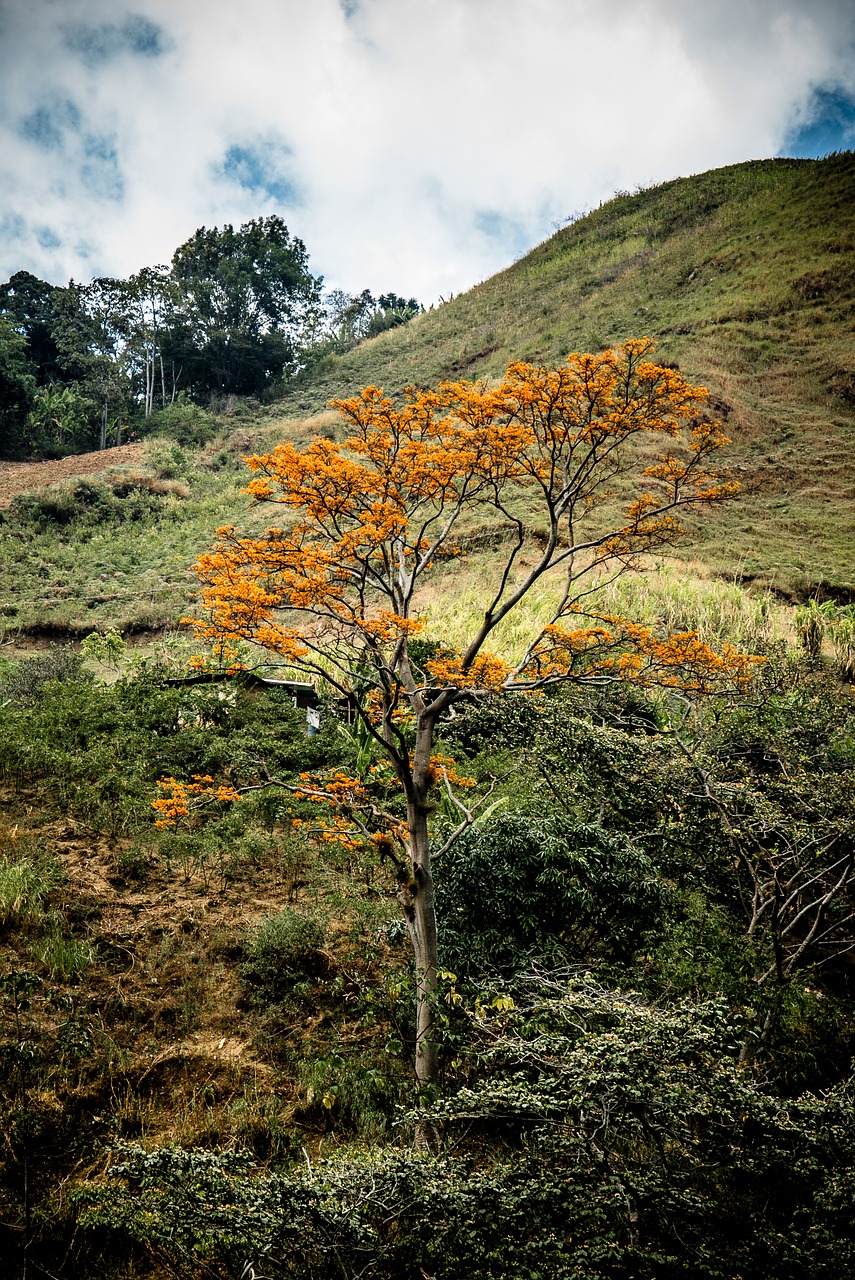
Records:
x=415, y=145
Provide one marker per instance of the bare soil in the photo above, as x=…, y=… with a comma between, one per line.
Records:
x=21, y=477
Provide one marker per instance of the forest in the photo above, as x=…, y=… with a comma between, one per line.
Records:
x=236, y=314
x=452, y=875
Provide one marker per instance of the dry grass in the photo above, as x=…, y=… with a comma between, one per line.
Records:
x=669, y=597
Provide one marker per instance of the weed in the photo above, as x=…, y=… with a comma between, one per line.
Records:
x=283, y=953
x=66, y=959
x=27, y=879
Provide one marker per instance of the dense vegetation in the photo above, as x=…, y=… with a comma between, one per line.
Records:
x=646, y=1006
x=237, y=313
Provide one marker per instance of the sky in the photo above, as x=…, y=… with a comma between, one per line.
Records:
x=415, y=146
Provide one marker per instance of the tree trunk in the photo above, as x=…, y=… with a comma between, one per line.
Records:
x=421, y=921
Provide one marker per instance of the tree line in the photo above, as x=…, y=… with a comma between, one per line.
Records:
x=236, y=313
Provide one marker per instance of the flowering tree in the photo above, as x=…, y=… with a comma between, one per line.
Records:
x=334, y=592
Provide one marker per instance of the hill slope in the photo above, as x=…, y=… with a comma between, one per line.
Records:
x=746, y=277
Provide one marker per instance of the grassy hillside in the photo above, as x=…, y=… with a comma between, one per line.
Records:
x=646, y=1009
x=745, y=276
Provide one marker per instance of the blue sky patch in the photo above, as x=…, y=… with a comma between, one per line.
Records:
x=260, y=169
x=47, y=238
x=100, y=170
x=830, y=127
x=12, y=227
x=501, y=229
x=48, y=124
x=97, y=44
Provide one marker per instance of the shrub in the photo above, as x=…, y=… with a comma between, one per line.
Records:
x=184, y=422
x=123, y=497
x=26, y=682
x=282, y=952
x=531, y=887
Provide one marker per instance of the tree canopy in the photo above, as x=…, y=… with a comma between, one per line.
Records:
x=237, y=313
x=335, y=591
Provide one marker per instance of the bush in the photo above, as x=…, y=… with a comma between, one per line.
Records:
x=283, y=952
x=531, y=887
x=595, y=1136
x=27, y=681
x=123, y=497
x=184, y=422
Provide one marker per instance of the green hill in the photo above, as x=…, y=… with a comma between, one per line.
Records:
x=745, y=276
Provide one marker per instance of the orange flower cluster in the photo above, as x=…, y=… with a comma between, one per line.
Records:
x=632, y=654
x=358, y=805
x=446, y=767
x=390, y=627
x=180, y=799
x=222, y=659
x=486, y=672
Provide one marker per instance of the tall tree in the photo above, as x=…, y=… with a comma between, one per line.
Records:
x=248, y=295
x=92, y=328
x=335, y=593
x=152, y=321
x=30, y=305
x=17, y=387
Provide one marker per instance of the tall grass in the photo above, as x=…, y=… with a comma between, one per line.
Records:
x=26, y=881
x=665, y=597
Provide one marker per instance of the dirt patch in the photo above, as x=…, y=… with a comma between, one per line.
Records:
x=21, y=477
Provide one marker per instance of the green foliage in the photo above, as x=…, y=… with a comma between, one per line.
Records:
x=17, y=386
x=88, y=507
x=29, y=680
x=184, y=422
x=532, y=887
x=28, y=304
x=283, y=953
x=61, y=421
x=98, y=750
x=27, y=879
x=65, y=959
x=114, y=551
x=811, y=621
x=108, y=648
x=842, y=631
x=815, y=622
x=247, y=294
x=625, y=1140
x=350, y=319
x=356, y=1094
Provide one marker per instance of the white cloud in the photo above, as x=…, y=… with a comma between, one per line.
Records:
x=414, y=146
